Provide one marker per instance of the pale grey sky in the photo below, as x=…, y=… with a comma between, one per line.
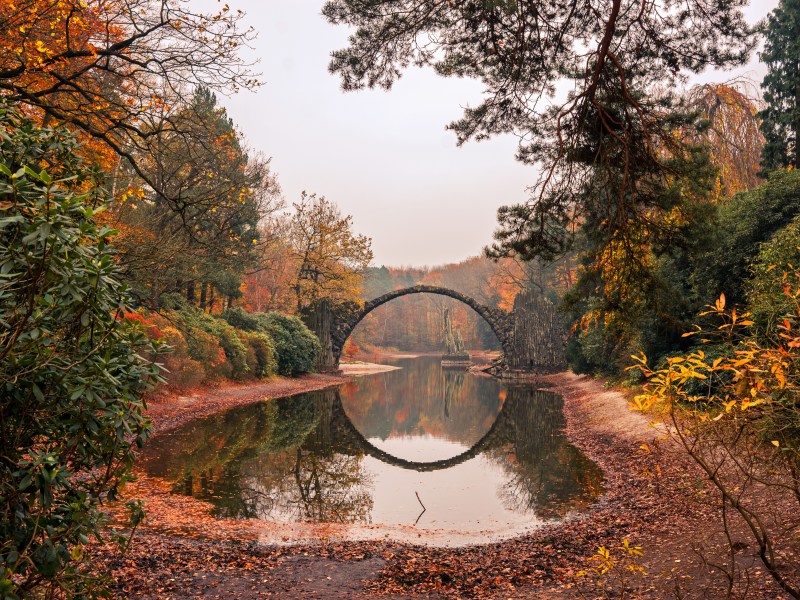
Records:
x=383, y=157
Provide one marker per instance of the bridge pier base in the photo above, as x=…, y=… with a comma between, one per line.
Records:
x=319, y=319
x=538, y=341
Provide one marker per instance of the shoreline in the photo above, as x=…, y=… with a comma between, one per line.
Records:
x=170, y=410
x=359, y=368
x=645, y=502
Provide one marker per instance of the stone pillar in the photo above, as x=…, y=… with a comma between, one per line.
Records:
x=538, y=342
x=320, y=320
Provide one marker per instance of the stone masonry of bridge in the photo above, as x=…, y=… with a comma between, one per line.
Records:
x=534, y=320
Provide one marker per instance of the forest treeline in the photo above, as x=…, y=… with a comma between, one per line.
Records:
x=739, y=248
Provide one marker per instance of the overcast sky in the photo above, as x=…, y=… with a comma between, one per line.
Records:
x=383, y=157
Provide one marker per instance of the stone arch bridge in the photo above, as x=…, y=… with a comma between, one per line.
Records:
x=532, y=335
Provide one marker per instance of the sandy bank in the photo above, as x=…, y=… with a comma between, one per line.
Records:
x=365, y=368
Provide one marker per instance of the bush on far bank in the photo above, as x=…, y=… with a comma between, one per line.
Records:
x=236, y=345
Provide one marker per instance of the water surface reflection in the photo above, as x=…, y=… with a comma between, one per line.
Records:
x=481, y=456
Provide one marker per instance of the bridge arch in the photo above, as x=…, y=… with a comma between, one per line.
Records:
x=499, y=321
x=492, y=437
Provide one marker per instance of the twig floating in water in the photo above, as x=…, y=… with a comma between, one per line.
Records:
x=423, y=508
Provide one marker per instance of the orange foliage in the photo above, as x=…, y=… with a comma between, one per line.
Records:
x=734, y=137
x=47, y=46
x=152, y=330
x=115, y=71
x=350, y=348
x=270, y=287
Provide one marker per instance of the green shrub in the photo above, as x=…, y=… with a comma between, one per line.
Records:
x=774, y=270
x=263, y=351
x=72, y=374
x=241, y=319
x=194, y=319
x=206, y=349
x=296, y=346
x=235, y=349
x=745, y=221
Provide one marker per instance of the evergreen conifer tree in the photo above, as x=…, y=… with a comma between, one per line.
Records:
x=781, y=118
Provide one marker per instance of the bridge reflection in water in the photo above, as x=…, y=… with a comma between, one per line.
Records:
x=332, y=456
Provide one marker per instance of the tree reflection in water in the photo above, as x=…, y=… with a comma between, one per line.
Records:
x=305, y=458
x=272, y=461
x=546, y=475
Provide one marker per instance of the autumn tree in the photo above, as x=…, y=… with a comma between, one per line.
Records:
x=118, y=72
x=632, y=292
x=268, y=286
x=197, y=230
x=329, y=258
x=609, y=132
x=781, y=117
x=731, y=134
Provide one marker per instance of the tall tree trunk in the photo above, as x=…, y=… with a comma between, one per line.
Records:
x=797, y=123
x=210, y=298
x=190, y=296
x=203, y=295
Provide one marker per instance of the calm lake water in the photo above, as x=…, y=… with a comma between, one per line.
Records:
x=423, y=453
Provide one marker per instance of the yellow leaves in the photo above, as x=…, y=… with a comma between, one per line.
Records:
x=746, y=404
x=643, y=402
x=748, y=378
x=720, y=303
x=780, y=375
x=641, y=359
x=631, y=550
x=604, y=561
x=691, y=333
